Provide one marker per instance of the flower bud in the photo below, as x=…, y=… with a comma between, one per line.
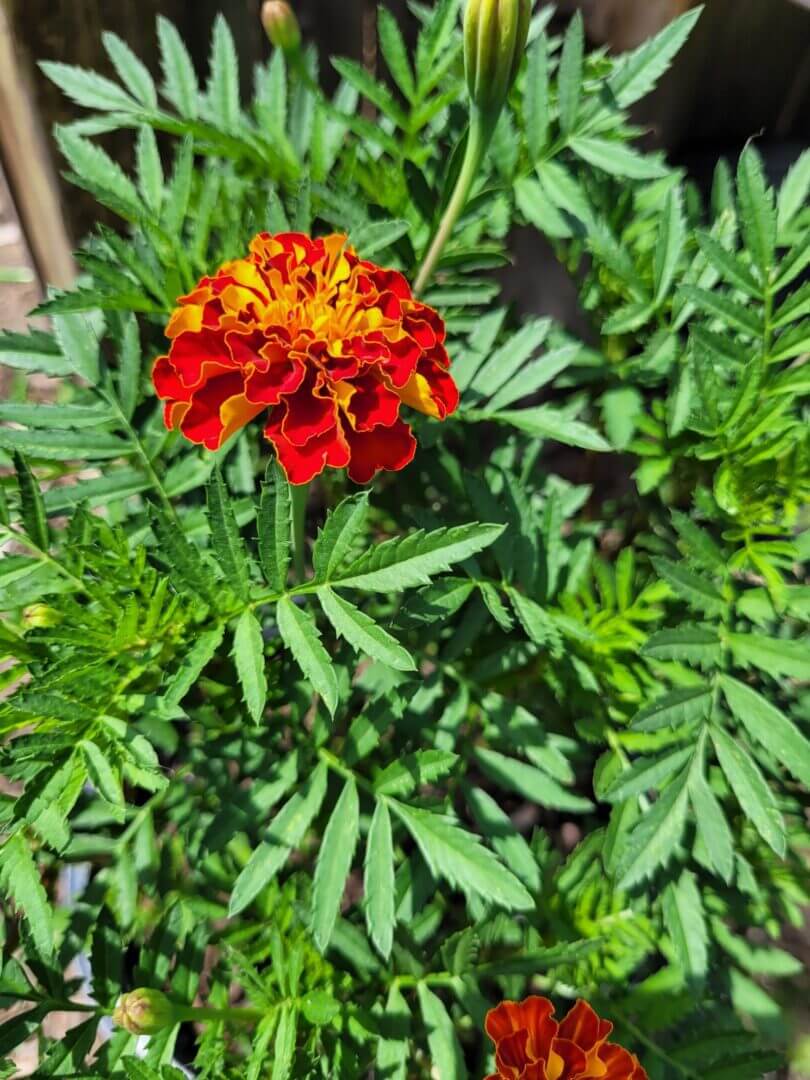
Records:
x=279, y=20
x=495, y=35
x=40, y=616
x=144, y=1012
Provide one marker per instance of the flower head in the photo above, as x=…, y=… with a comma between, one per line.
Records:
x=495, y=34
x=281, y=25
x=336, y=345
x=144, y=1012
x=531, y=1045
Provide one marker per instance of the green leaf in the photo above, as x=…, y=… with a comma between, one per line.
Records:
x=689, y=644
x=505, y=362
x=378, y=94
x=536, y=374
x=132, y=72
x=769, y=726
x=64, y=445
x=569, y=78
x=686, y=705
x=729, y=265
x=794, y=191
x=129, y=367
x=536, y=99
x=88, y=89
x=530, y=782
x=226, y=539
x=458, y=856
x=334, y=864
x=378, y=882
x=636, y=73
x=698, y=591
x=699, y=545
x=728, y=311
x=775, y=656
x=616, y=158
x=757, y=212
x=403, y=562
x=712, y=826
x=284, y=1045
x=547, y=422
x=300, y=635
x=497, y=827
x=101, y=773
x=363, y=633
x=180, y=82
x=275, y=528
x=21, y=881
x=248, y=654
x=192, y=665
x=95, y=170
x=645, y=775
x=78, y=339
x=753, y=794
x=178, y=193
x=406, y=774
x=653, y=841
x=336, y=539
x=285, y=833
x=445, y=1051
x=539, y=210
x=32, y=506
x=33, y=352
x=670, y=244
x=223, y=81
x=377, y=235
x=685, y=921
x=394, y=1052
x=394, y=51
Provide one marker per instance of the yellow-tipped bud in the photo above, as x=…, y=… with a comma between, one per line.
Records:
x=144, y=1012
x=495, y=35
x=39, y=616
x=279, y=20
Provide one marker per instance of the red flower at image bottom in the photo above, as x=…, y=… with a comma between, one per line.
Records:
x=333, y=344
x=531, y=1045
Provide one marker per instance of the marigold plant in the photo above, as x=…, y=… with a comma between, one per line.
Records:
x=301, y=778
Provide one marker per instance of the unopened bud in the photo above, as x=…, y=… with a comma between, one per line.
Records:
x=39, y=616
x=495, y=35
x=144, y=1012
x=279, y=20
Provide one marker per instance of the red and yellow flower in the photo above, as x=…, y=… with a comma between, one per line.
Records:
x=334, y=344
x=531, y=1045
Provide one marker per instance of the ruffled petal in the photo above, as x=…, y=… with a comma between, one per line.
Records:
x=389, y=448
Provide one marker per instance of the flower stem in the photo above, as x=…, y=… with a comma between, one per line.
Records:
x=477, y=141
x=299, y=494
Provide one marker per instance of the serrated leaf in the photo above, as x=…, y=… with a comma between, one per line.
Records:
x=757, y=212
x=336, y=539
x=685, y=705
x=536, y=99
x=104, y=778
x=96, y=170
x=728, y=265
x=794, y=190
x=645, y=775
x=88, y=89
x=129, y=367
x=404, y=775
x=670, y=245
x=689, y=644
x=222, y=91
x=275, y=528
x=504, y=364
x=654, y=839
x=751, y=789
x=728, y=311
x=712, y=826
x=403, y=562
x=617, y=159
x=698, y=591
x=769, y=726
x=637, y=72
x=284, y=1044
x=334, y=863
x=64, y=445
x=226, y=539
x=458, y=856
x=300, y=634
x=445, y=1051
x=285, y=833
x=78, y=339
x=248, y=654
x=377, y=235
x=775, y=656
x=363, y=633
x=529, y=781
x=378, y=94
x=21, y=881
x=497, y=827
x=569, y=76
x=32, y=506
x=394, y=51
x=393, y=1051
x=547, y=422
x=378, y=882
x=132, y=72
x=685, y=921
x=180, y=81
x=192, y=664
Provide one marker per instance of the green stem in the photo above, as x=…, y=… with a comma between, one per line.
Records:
x=480, y=134
x=298, y=495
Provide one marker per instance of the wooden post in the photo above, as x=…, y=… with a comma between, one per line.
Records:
x=28, y=168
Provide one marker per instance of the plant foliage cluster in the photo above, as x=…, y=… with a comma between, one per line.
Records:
x=537, y=718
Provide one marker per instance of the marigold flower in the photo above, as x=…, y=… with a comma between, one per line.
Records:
x=144, y=1012
x=335, y=344
x=531, y=1045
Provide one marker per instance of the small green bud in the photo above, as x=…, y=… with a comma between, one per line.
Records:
x=144, y=1012
x=39, y=616
x=279, y=20
x=495, y=35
